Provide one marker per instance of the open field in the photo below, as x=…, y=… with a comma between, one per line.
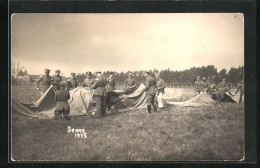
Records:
x=175, y=133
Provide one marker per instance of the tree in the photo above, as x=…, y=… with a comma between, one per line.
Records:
x=16, y=67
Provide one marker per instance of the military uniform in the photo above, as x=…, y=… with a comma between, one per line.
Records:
x=150, y=87
x=109, y=87
x=130, y=82
x=241, y=88
x=72, y=82
x=100, y=95
x=56, y=79
x=160, y=85
x=205, y=85
x=197, y=86
x=62, y=107
x=45, y=81
x=222, y=84
x=221, y=93
x=88, y=82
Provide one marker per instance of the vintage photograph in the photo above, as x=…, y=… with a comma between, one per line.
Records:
x=127, y=87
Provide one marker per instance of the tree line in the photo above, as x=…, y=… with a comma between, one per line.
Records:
x=188, y=76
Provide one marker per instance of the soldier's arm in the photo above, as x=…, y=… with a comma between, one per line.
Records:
x=38, y=81
x=95, y=84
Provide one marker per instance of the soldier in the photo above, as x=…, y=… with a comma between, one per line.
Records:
x=100, y=94
x=150, y=86
x=222, y=84
x=241, y=88
x=197, y=85
x=220, y=94
x=62, y=106
x=130, y=82
x=45, y=81
x=109, y=87
x=160, y=85
x=56, y=79
x=72, y=82
x=89, y=81
x=205, y=84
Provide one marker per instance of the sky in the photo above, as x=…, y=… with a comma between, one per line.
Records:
x=122, y=42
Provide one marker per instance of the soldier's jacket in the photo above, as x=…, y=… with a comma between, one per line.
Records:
x=56, y=79
x=62, y=96
x=160, y=85
x=72, y=83
x=222, y=84
x=204, y=85
x=129, y=82
x=198, y=86
x=88, y=82
x=99, y=86
x=45, y=82
x=110, y=84
x=241, y=88
x=150, y=85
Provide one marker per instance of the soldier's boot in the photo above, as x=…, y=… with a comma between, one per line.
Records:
x=149, y=109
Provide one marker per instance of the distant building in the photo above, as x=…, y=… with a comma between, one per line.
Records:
x=23, y=76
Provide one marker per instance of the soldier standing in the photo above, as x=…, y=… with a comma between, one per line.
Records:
x=100, y=94
x=56, y=79
x=62, y=106
x=45, y=81
x=88, y=81
x=223, y=83
x=109, y=87
x=197, y=85
x=150, y=86
x=204, y=84
x=160, y=85
x=130, y=82
x=241, y=88
x=72, y=82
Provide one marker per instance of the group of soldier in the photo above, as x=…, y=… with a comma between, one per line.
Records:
x=102, y=87
x=217, y=91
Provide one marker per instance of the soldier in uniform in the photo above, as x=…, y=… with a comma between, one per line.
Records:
x=72, y=82
x=160, y=85
x=45, y=81
x=89, y=81
x=109, y=87
x=205, y=84
x=197, y=85
x=62, y=106
x=100, y=94
x=241, y=88
x=150, y=87
x=130, y=82
x=222, y=84
x=56, y=79
x=220, y=94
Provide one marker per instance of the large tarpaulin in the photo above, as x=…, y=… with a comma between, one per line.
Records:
x=81, y=101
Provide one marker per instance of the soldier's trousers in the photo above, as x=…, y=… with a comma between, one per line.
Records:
x=151, y=100
x=62, y=107
x=100, y=105
x=108, y=103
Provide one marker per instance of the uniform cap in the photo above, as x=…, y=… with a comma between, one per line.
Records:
x=112, y=73
x=73, y=73
x=130, y=73
x=57, y=71
x=63, y=83
x=47, y=70
x=146, y=72
x=98, y=72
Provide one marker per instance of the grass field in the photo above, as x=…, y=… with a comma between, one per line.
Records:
x=176, y=133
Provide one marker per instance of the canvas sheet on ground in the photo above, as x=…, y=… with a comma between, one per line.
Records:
x=81, y=102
